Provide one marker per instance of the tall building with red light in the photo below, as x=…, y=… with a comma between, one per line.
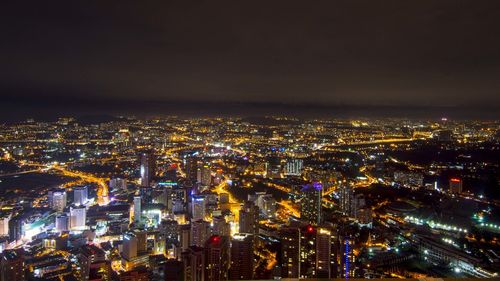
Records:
x=308, y=251
x=456, y=185
x=217, y=258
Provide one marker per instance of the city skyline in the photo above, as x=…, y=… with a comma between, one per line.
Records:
x=249, y=140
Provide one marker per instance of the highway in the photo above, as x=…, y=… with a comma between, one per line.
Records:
x=102, y=186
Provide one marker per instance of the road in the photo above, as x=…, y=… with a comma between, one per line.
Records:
x=234, y=204
x=102, y=187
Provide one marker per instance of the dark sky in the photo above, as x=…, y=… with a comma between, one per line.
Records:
x=352, y=52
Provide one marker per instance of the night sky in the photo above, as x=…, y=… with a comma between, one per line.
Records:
x=353, y=52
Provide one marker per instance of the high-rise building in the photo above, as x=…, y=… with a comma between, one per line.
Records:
x=241, y=257
x=129, y=249
x=191, y=167
x=308, y=251
x=290, y=252
x=12, y=266
x=268, y=207
x=293, y=167
x=160, y=244
x=324, y=255
x=220, y=226
x=137, y=209
x=4, y=226
x=348, y=259
x=198, y=207
x=148, y=166
x=456, y=185
x=77, y=218
x=205, y=175
x=194, y=263
x=310, y=208
x=184, y=236
x=200, y=231
x=15, y=228
x=142, y=241
x=249, y=218
x=62, y=223
x=217, y=258
x=80, y=195
x=57, y=200
x=346, y=198
x=174, y=270
x=93, y=263
x=177, y=206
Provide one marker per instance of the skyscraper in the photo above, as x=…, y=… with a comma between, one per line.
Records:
x=268, y=206
x=346, y=198
x=456, y=185
x=241, y=257
x=194, y=264
x=148, y=166
x=308, y=251
x=137, y=209
x=129, y=249
x=80, y=195
x=57, y=200
x=142, y=241
x=78, y=217
x=62, y=223
x=348, y=259
x=217, y=258
x=15, y=228
x=310, y=208
x=290, y=252
x=200, y=231
x=93, y=263
x=198, y=207
x=191, y=166
x=174, y=270
x=249, y=217
x=324, y=253
x=205, y=175
x=220, y=226
x=4, y=225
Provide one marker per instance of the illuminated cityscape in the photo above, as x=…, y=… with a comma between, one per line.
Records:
x=250, y=140
x=230, y=198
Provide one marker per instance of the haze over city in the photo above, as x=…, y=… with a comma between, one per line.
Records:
x=249, y=140
x=339, y=53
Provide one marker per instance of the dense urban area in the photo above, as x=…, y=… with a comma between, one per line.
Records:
x=124, y=198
